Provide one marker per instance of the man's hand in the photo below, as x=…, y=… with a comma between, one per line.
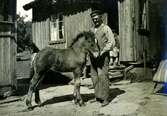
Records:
x=95, y=54
x=102, y=52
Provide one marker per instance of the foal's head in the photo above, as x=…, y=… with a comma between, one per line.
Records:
x=86, y=40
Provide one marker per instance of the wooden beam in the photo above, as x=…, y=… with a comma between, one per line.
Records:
x=30, y=5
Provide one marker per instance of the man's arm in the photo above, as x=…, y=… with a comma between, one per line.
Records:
x=110, y=43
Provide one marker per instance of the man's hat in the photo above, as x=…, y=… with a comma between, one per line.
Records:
x=96, y=13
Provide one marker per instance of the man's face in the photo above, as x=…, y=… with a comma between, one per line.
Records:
x=97, y=20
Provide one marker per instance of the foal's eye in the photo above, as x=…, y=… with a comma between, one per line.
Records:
x=89, y=41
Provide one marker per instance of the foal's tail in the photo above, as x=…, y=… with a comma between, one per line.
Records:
x=32, y=71
x=34, y=48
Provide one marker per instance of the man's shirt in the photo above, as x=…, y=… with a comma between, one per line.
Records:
x=105, y=37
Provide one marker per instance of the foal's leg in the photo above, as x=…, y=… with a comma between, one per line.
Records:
x=37, y=96
x=77, y=83
x=33, y=84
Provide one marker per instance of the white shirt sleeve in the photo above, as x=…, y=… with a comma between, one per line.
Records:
x=110, y=39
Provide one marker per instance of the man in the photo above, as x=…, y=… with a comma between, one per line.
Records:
x=100, y=61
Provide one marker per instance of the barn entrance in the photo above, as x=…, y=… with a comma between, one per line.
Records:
x=111, y=7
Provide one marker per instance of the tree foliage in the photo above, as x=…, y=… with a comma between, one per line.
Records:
x=24, y=33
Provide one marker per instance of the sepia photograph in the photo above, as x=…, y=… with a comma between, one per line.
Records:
x=83, y=57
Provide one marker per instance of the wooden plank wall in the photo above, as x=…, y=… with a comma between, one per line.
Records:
x=13, y=52
x=77, y=23
x=41, y=33
x=137, y=42
x=7, y=60
x=131, y=42
x=4, y=60
x=8, y=46
x=73, y=25
x=141, y=42
x=125, y=31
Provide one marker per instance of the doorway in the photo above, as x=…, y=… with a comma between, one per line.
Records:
x=111, y=7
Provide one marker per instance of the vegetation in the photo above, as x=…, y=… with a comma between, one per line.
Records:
x=24, y=33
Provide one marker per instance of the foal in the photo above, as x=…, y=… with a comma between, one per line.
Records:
x=72, y=59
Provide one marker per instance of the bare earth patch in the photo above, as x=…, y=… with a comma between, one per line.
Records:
x=133, y=99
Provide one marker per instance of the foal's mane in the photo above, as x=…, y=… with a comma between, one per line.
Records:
x=87, y=34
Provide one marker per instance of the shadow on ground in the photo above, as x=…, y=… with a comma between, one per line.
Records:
x=114, y=92
x=51, y=79
x=86, y=97
x=54, y=79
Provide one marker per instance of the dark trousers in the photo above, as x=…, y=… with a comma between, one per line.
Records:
x=99, y=75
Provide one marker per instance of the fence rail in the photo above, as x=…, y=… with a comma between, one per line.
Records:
x=7, y=22
x=7, y=35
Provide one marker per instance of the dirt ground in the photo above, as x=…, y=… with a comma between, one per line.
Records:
x=127, y=99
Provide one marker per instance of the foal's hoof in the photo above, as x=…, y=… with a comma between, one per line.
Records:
x=40, y=105
x=28, y=103
x=30, y=108
x=105, y=103
x=81, y=103
x=93, y=100
x=75, y=102
x=37, y=101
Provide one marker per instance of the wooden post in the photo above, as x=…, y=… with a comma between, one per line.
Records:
x=125, y=9
x=7, y=47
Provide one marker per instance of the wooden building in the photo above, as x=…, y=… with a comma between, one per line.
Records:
x=133, y=17
x=56, y=22
x=140, y=29
x=7, y=45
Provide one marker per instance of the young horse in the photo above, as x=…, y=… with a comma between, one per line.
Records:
x=71, y=59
